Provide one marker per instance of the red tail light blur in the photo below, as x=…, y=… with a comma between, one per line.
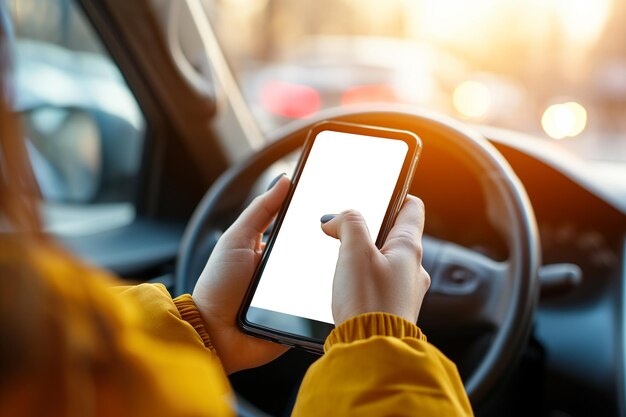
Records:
x=285, y=99
x=368, y=94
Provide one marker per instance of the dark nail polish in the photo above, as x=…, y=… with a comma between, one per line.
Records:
x=275, y=180
x=327, y=217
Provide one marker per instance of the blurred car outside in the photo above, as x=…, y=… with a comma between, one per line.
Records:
x=556, y=70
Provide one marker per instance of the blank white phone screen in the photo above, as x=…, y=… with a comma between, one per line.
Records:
x=343, y=171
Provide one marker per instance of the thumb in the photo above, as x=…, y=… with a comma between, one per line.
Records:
x=261, y=211
x=349, y=227
x=406, y=234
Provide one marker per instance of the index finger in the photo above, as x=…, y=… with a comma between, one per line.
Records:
x=408, y=228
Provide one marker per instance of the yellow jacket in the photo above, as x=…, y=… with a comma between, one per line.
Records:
x=73, y=345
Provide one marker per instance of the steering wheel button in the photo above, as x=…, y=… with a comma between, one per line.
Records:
x=460, y=275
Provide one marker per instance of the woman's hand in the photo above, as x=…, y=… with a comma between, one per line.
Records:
x=368, y=279
x=225, y=279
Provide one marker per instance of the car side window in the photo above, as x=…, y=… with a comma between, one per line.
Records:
x=84, y=129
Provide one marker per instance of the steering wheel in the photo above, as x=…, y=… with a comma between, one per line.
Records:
x=468, y=289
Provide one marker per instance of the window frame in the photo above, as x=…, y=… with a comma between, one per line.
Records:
x=148, y=247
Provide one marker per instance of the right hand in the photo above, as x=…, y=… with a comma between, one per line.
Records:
x=368, y=279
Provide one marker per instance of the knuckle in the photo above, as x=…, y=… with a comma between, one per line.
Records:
x=425, y=278
x=352, y=216
x=351, y=213
x=408, y=239
x=419, y=252
x=259, y=203
x=364, y=253
x=419, y=204
x=257, y=200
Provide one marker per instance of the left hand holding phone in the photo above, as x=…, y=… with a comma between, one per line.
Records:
x=226, y=277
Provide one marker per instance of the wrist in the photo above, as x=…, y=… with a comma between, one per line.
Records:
x=191, y=314
x=220, y=336
x=369, y=325
x=391, y=310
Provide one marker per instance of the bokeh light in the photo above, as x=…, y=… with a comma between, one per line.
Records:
x=295, y=101
x=472, y=99
x=564, y=120
x=582, y=20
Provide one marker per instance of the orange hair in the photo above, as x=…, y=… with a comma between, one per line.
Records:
x=18, y=189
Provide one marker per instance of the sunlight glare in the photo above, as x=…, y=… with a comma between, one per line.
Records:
x=564, y=120
x=472, y=99
x=582, y=20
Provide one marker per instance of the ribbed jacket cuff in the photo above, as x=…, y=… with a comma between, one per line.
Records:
x=367, y=325
x=189, y=312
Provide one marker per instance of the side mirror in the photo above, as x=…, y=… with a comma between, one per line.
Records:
x=65, y=148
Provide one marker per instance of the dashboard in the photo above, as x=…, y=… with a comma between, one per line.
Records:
x=575, y=350
x=579, y=332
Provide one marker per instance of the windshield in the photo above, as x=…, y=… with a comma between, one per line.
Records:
x=555, y=68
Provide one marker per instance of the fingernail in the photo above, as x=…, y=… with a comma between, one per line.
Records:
x=275, y=180
x=327, y=217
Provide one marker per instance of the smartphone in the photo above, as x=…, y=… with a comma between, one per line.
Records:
x=343, y=166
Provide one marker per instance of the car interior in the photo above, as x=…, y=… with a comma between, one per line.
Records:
x=148, y=140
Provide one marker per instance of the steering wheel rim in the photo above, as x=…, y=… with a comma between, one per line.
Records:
x=518, y=225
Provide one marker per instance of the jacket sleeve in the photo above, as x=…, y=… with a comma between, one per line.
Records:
x=178, y=348
x=85, y=347
x=169, y=319
x=379, y=364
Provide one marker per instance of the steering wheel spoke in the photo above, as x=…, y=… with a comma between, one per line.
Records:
x=466, y=288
